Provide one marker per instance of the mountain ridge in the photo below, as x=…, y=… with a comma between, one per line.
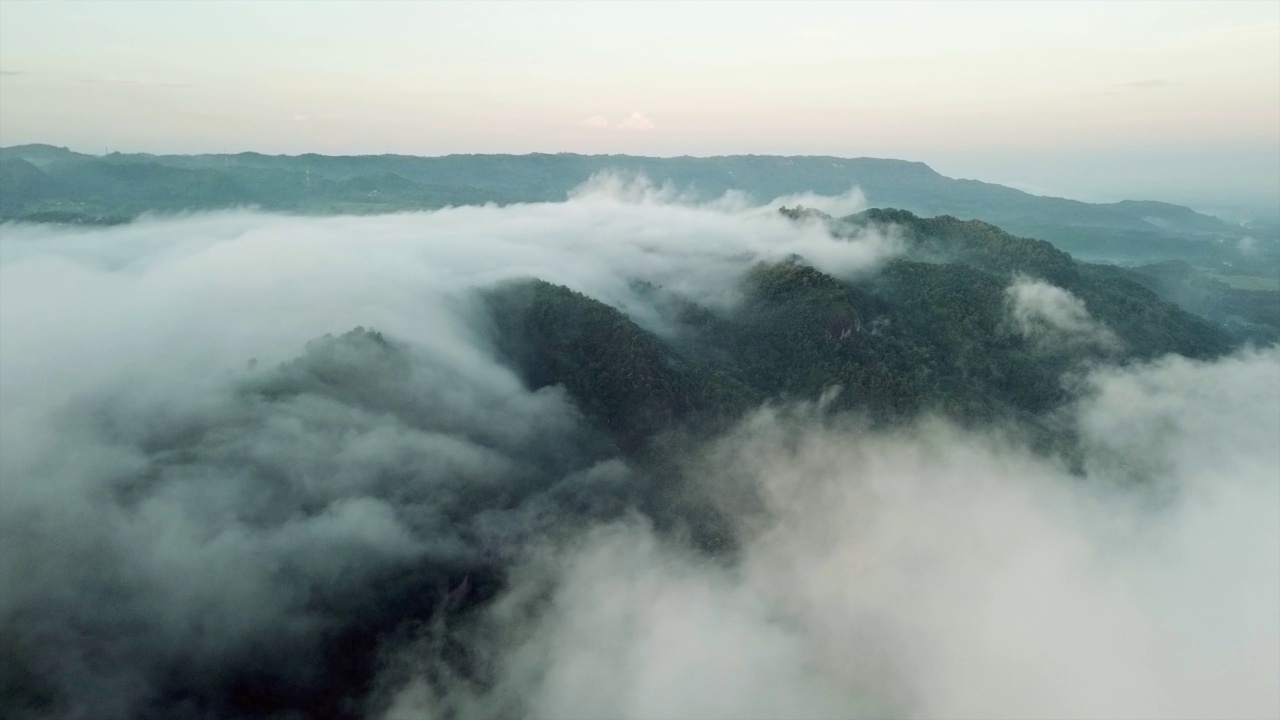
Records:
x=532, y=177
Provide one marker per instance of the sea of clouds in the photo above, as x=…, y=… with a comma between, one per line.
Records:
x=193, y=499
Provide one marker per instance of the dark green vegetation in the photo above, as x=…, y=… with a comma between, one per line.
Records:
x=621, y=375
x=929, y=332
x=42, y=183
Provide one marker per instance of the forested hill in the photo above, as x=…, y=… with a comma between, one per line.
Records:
x=45, y=183
x=935, y=330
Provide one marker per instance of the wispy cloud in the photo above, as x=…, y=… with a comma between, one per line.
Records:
x=637, y=121
x=1054, y=318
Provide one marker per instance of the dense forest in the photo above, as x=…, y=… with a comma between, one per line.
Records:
x=930, y=332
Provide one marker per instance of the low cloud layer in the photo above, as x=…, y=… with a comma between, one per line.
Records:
x=184, y=515
x=204, y=496
x=933, y=572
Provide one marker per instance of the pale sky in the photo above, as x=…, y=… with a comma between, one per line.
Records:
x=1177, y=101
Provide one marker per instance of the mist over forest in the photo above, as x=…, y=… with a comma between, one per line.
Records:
x=587, y=360
x=636, y=451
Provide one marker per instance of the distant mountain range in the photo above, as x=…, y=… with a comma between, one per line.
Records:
x=44, y=183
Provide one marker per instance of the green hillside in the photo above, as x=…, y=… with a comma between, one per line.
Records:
x=931, y=332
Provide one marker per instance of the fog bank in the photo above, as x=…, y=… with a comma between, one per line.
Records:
x=220, y=500
x=932, y=572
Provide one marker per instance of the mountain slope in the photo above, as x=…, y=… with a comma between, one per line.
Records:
x=933, y=331
x=322, y=184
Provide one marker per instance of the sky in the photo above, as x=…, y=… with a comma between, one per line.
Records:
x=1177, y=101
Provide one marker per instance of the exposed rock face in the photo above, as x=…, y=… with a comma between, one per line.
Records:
x=841, y=327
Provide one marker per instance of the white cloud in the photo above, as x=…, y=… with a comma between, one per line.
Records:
x=596, y=121
x=836, y=206
x=924, y=572
x=1055, y=318
x=122, y=342
x=636, y=121
x=935, y=572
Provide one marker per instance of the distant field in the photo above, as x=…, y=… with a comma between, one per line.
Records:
x=1248, y=282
